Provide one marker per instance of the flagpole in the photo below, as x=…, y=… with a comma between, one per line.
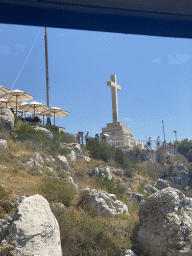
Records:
x=47, y=73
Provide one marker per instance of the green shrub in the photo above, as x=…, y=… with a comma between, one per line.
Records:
x=56, y=190
x=100, y=150
x=84, y=236
x=122, y=160
x=112, y=186
x=3, y=193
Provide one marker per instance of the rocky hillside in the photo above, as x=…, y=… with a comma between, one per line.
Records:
x=60, y=198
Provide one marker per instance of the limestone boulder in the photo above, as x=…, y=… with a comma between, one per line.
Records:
x=128, y=252
x=39, y=158
x=33, y=163
x=182, y=167
x=103, y=204
x=105, y=171
x=70, y=180
x=161, y=184
x=3, y=145
x=77, y=148
x=6, y=120
x=184, y=178
x=34, y=229
x=62, y=161
x=72, y=156
x=86, y=158
x=166, y=224
x=136, y=197
x=49, y=134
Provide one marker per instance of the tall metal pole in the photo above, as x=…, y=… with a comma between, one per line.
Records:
x=47, y=73
x=163, y=130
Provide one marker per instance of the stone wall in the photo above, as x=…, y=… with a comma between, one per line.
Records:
x=143, y=155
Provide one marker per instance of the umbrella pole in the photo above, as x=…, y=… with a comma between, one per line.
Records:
x=16, y=104
x=54, y=118
x=43, y=120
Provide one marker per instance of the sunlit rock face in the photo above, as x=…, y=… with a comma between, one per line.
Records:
x=166, y=224
x=33, y=228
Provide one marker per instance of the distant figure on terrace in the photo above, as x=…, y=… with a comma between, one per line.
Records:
x=78, y=137
x=103, y=138
x=87, y=136
x=158, y=141
x=81, y=138
x=97, y=136
x=148, y=144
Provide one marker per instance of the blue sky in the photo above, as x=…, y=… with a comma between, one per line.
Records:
x=154, y=74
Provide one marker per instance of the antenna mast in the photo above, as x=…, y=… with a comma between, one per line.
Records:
x=47, y=73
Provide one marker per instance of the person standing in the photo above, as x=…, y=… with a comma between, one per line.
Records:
x=87, y=136
x=78, y=137
x=158, y=141
x=103, y=138
x=81, y=137
x=148, y=142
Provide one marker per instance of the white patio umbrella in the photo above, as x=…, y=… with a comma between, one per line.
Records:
x=3, y=90
x=56, y=112
x=4, y=103
x=34, y=106
x=42, y=115
x=17, y=95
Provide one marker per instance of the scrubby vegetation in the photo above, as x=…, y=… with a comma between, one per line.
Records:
x=81, y=232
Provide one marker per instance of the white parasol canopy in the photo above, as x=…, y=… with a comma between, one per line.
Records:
x=34, y=106
x=17, y=95
x=56, y=112
x=4, y=103
x=3, y=90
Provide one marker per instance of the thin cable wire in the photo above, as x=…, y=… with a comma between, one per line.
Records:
x=26, y=58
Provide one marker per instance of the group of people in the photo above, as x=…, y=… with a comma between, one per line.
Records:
x=80, y=137
x=148, y=144
x=87, y=137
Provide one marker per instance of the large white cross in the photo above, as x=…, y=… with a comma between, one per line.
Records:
x=114, y=88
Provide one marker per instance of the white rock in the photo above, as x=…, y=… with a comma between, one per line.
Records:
x=128, y=252
x=72, y=156
x=77, y=148
x=48, y=133
x=165, y=223
x=105, y=171
x=104, y=204
x=35, y=229
x=33, y=163
x=38, y=157
x=162, y=184
x=62, y=161
x=6, y=120
x=70, y=180
x=86, y=158
x=3, y=144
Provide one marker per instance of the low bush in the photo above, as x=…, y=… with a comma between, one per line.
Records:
x=84, y=236
x=112, y=186
x=57, y=190
x=100, y=150
x=3, y=193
